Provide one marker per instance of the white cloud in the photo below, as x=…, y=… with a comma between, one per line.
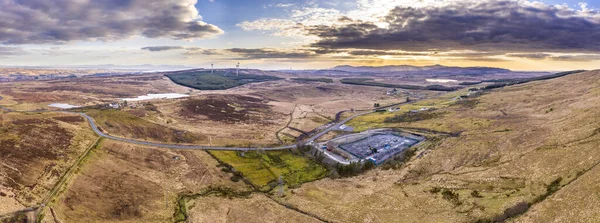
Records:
x=63, y=21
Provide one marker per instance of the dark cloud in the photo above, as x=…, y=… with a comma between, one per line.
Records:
x=268, y=53
x=534, y=56
x=61, y=21
x=161, y=48
x=576, y=58
x=564, y=57
x=489, y=25
x=387, y=53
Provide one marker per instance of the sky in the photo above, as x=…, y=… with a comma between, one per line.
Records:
x=548, y=35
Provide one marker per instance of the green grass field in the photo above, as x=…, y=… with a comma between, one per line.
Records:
x=265, y=168
x=220, y=80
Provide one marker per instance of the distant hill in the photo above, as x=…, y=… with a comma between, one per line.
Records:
x=407, y=69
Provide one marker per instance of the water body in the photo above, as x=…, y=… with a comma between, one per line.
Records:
x=441, y=80
x=63, y=106
x=156, y=96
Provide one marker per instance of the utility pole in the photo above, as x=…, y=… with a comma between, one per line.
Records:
x=281, y=183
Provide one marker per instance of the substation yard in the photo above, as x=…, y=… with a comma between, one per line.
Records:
x=376, y=146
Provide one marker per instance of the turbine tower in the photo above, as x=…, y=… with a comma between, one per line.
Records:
x=237, y=71
x=212, y=67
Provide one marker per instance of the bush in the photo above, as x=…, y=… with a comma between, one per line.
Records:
x=235, y=178
x=476, y=194
x=515, y=210
x=451, y=196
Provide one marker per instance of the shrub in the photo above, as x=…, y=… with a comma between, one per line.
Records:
x=476, y=194
x=513, y=211
x=451, y=196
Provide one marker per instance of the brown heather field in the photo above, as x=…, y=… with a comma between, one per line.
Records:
x=36, y=150
x=256, y=208
x=127, y=183
x=535, y=143
x=252, y=114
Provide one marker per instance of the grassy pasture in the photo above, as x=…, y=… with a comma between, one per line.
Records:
x=264, y=169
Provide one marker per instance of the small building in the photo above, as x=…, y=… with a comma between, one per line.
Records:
x=114, y=105
x=392, y=92
x=394, y=109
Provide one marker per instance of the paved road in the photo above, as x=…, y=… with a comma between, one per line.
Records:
x=95, y=128
x=92, y=123
x=334, y=127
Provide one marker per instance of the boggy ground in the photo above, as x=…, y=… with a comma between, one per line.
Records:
x=532, y=144
x=36, y=150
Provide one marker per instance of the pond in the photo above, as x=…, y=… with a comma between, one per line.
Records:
x=63, y=106
x=156, y=96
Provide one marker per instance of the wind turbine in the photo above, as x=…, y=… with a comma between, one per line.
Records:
x=212, y=67
x=237, y=71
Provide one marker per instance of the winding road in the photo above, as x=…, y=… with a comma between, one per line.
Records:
x=171, y=146
x=95, y=128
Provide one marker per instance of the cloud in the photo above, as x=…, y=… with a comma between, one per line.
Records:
x=63, y=21
x=11, y=51
x=577, y=58
x=201, y=51
x=162, y=48
x=558, y=57
x=269, y=53
x=493, y=26
x=481, y=26
x=534, y=56
x=278, y=27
